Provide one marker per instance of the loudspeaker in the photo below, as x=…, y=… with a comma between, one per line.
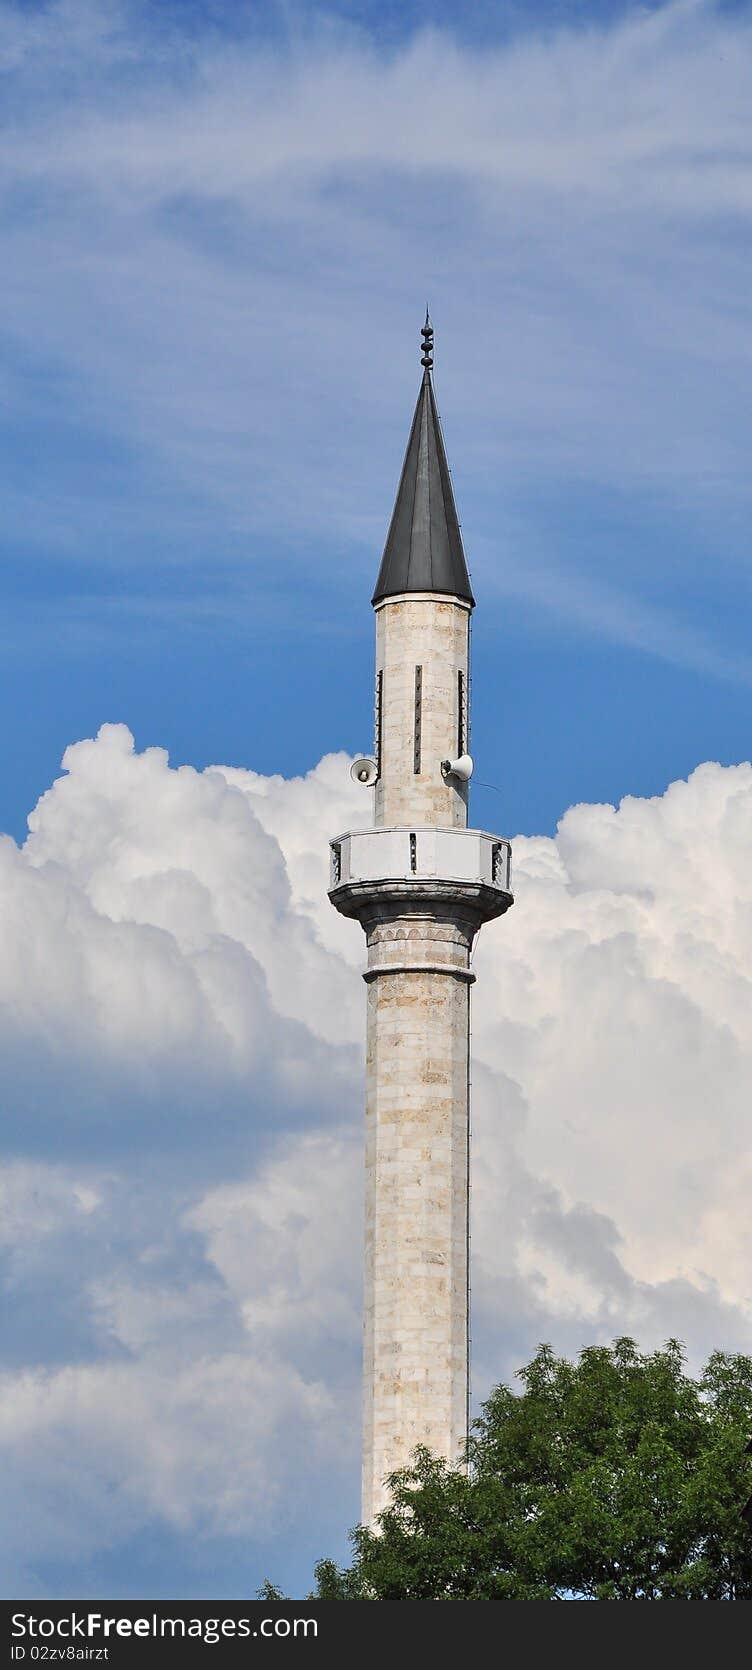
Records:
x=461, y=768
x=364, y=771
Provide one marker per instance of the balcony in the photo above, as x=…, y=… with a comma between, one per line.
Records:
x=421, y=855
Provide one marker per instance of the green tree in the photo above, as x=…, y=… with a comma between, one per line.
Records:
x=618, y=1477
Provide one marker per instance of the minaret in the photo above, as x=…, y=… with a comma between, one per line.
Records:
x=421, y=884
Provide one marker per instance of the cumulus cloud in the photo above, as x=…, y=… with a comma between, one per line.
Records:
x=165, y=947
x=182, y=1025
x=636, y=1012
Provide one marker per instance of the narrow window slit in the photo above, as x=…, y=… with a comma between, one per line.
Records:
x=377, y=711
x=417, y=735
x=413, y=853
x=461, y=715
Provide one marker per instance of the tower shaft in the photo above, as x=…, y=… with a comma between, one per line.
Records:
x=415, y=1361
x=422, y=659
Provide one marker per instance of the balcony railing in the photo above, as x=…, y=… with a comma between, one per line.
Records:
x=397, y=854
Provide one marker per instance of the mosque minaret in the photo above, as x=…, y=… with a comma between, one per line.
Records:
x=421, y=884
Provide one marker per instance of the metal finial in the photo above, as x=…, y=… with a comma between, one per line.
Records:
x=426, y=332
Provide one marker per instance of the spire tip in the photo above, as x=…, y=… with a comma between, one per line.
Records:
x=426, y=331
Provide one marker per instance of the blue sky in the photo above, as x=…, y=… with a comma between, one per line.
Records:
x=221, y=223
x=210, y=349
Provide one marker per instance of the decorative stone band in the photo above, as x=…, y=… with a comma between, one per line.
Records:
x=427, y=937
x=468, y=903
x=423, y=597
x=420, y=968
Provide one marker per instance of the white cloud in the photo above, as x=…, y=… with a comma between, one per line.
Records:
x=114, y=1445
x=219, y=245
x=38, y=1201
x=286, y=1242
x=628, y=974
x=208, y=875
x=202, y=1250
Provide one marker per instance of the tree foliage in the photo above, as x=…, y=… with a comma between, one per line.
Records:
x=618, y=1477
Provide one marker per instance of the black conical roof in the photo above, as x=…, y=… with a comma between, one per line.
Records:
x=423, y=550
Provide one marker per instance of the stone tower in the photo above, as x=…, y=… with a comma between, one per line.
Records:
x=421, y=884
